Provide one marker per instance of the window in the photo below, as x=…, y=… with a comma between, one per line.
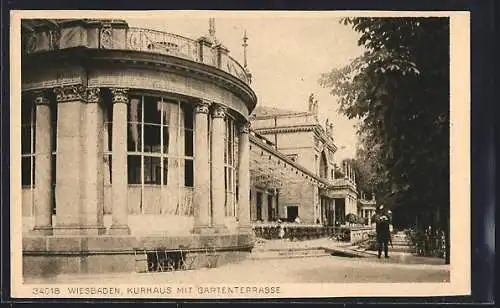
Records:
x=230, y=163
x=160, y=143
x=28, y=125
x=28, y=146
x=108, y=136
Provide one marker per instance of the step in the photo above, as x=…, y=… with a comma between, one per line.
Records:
x=288, y=254
x=351, y=252
x=400, y=249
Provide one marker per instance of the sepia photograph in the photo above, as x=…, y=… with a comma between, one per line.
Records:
x=210, y=154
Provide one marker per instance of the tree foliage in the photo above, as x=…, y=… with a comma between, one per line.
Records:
x=399, y=90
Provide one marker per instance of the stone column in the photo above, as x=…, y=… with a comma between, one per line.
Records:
x=217, y=167
x=70, y=168
x=265, y=205
x=244, y=178
x=43, y=166
x=202, y=169
x=369, y=217
x=92, y=150
x=119, y=178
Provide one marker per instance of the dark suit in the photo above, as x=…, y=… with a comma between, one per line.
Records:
x=383, y=236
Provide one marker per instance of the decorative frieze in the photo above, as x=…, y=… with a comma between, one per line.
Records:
x=202, y=107
x=219, y=111
x=119, y=95
x=70, y=93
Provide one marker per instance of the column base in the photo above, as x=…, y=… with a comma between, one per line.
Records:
x=79, y=230
x=42, y=230
x=119, y=230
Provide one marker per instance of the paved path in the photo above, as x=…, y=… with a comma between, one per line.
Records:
x=327, y=269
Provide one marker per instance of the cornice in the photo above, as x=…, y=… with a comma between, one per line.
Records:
x=285, y=129
x=157, y=62
x=283, y=115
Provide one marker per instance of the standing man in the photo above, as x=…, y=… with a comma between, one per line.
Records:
x=383, y=232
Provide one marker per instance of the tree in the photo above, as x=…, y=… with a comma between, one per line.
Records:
x=399, y=89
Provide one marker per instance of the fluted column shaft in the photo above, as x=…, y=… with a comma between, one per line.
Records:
x=119, y=178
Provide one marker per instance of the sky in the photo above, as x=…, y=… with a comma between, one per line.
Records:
x=286, y=56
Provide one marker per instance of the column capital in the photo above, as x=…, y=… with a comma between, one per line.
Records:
x=93, y=95
x=70, y=93
x=120, y=95
x=202, y=107
x=245, y=127
x=219, y=111
x=40, y=98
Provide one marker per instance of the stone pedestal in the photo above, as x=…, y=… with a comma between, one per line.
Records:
x=43, y=167
x=217, y=168
x=202, y=175
x=119, y=178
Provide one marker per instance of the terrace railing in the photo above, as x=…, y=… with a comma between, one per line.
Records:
x=147, y=40
x=136, y=39
x=159, y=42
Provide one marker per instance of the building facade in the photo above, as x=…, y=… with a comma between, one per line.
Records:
x=132, y=140
x=319, y=197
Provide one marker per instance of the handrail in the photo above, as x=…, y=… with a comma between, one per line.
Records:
x=155, y=41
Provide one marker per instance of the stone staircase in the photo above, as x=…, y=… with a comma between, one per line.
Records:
x=275, y=249
x=400, y=243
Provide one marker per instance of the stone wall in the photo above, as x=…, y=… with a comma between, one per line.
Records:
x=299, y=194
x=49, y=256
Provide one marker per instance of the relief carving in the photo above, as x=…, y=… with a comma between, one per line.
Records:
x=219, y=111
x=93, y=95
x=119, y=95
x=106, y=35
x=70, y=93
x=202, y=107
